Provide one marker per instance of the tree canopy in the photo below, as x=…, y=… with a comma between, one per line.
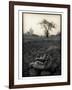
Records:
x=47, y=26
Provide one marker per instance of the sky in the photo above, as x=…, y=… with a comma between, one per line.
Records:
x=33, y=20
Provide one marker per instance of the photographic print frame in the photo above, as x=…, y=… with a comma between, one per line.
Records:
x=16, y=26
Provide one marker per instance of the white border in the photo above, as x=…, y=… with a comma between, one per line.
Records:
x=18, y=46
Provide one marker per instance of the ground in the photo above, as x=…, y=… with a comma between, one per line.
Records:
x=34, y=46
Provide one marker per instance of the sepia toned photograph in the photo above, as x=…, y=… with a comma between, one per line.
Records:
x=41, y=44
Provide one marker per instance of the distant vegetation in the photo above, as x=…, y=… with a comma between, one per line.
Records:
x=30, y=32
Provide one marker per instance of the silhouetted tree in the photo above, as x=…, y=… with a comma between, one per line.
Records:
x=47, y=26
x=30, y=32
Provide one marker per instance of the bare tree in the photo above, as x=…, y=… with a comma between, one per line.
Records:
x=47, y=26
x=30, y=32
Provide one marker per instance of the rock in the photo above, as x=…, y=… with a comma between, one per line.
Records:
x=37, y=65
